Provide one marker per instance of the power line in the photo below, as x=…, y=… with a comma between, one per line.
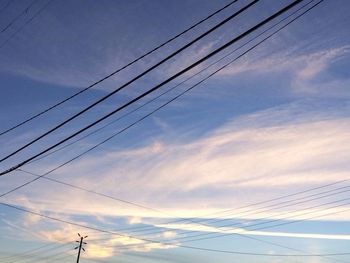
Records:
x=24, y=255
x=200, y=237
x=176, y=244
x=254, y=211
x=56, y=168
x=160, y=107
x=119, y=69
x=24, y=12
x=236, y=225
x=258, y=219
x=97, y=193
x=252, y=29
x=118, y=199
x=38, y=257
x=229, y=210
x=273, y=219
x=285, y=218
x=331, y=254
x=37, y=13
x=279, y=219
x=53, y=257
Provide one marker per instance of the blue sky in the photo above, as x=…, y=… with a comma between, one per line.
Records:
x=273, y=123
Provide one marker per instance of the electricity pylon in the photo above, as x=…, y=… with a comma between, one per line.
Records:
x=81, y=243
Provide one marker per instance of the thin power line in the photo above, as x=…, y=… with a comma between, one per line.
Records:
x=284, y=222
x=285, y=218
x=176, y=244
x=270, y=219
x=37, y=13
x=30, y=252
x=24, y=257
x=235, y=39
x=53, y=257
x=24, y=12
x=119, y=69
x=253, y=211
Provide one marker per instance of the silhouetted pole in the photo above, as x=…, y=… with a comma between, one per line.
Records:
x=80, y=245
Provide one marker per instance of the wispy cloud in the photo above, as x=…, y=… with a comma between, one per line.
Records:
x=227, y=230
x=306, y=73
x=282, y=147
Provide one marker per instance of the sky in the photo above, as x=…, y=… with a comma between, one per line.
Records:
x=273, y=125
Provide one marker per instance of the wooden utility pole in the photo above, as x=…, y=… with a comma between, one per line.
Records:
x=80, y=247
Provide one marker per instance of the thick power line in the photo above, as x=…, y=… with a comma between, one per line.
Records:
x=119, y=69
x=211, y=54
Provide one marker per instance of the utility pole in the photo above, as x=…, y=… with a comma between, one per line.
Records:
x=80, y=247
